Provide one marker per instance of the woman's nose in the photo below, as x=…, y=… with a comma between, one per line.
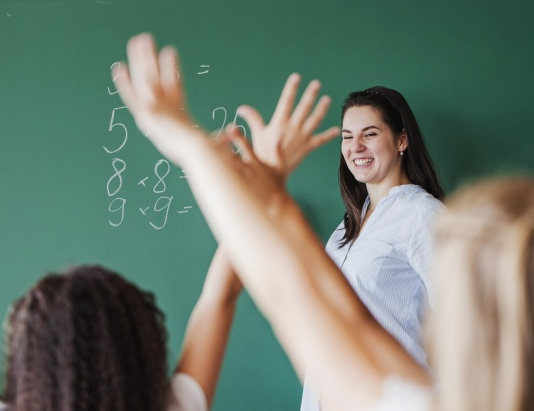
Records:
x=357, y=145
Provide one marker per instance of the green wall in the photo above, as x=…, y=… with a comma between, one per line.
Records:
x=466, y=68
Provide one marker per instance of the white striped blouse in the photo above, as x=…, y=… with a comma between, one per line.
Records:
x=389, y=267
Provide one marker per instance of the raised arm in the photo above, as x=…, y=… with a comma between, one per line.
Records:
x=312, y=309
x=282, y=144
x=209, y=326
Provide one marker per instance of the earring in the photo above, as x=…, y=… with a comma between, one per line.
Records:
x=401, y=153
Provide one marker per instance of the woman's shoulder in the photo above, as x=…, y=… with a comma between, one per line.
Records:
x=417, y=198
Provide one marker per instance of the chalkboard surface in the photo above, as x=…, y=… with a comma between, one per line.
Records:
x=79, y=183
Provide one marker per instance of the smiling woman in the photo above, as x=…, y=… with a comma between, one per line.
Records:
x=391, y=194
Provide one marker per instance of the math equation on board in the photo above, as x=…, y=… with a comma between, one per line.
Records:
x=165, y=204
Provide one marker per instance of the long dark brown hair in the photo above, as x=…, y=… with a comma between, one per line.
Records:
x=417, y=164
x=86, y=339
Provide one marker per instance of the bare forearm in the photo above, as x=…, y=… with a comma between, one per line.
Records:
x=209, y=325
x=205, y=343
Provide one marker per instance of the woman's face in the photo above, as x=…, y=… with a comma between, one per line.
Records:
x=370, y=148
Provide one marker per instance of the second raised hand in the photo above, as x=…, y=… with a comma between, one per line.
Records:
x=289, y=136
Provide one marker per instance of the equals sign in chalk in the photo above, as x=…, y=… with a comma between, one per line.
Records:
x=185, y=210
x=204, y=66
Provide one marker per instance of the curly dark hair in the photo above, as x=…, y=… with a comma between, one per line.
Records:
x=86, y=339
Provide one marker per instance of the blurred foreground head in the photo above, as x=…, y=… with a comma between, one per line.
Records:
x=86, y=339
x=482, y=331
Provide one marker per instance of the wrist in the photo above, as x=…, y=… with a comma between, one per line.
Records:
x=182, y=145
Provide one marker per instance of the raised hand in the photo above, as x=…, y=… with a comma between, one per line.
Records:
x=288, y=138
x=154, y=95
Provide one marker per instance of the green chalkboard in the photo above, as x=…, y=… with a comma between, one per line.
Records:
x=466, y=67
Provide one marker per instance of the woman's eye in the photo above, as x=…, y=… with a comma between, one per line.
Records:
x=346, y=137
x=369, y=135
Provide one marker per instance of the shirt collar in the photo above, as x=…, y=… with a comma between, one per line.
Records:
x=393, y=193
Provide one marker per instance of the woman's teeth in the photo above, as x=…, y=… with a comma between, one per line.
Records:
x=362, y=161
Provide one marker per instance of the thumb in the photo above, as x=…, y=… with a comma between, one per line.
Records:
x=240, y=142
x=253, y=119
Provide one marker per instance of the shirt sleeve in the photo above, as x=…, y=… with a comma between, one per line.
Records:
x=402, y=395
x=310, y=399
x=421, y=246
x=185, y=394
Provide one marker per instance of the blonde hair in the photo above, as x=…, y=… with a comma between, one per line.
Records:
x=482, y=329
